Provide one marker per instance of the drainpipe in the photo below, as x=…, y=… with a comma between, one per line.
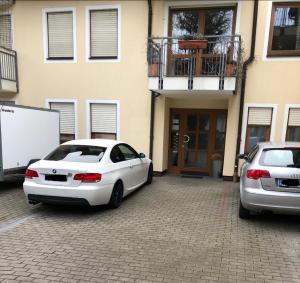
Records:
x=152, y=111
x=246, y=64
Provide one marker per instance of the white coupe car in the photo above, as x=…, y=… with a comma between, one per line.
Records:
x=87, y=172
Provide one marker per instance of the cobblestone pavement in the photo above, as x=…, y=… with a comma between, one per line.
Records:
x=176, y=230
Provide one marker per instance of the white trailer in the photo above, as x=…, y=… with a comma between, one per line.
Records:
x=26, y=134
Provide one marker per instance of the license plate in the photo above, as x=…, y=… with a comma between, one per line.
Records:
x=286, y=183
x=56, y=178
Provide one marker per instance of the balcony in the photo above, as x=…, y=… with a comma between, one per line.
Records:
x=209, y=65
x=8, y=71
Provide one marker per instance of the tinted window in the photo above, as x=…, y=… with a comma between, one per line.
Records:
x=285, y=157
x=252, y=153
x=116, y=155
x=128, y=152
x=77, y=153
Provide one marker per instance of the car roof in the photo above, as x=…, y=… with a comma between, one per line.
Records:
x=278, y=145
x=94, y=142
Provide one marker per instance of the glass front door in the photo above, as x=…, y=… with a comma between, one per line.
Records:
x=197, y=137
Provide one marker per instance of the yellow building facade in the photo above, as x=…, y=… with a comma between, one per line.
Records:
x=97, y=63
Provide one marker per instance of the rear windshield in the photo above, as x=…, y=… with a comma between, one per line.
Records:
x=77, y=153
x=283, y=157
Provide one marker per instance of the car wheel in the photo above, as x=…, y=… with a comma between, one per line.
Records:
x=150, y=175
x=116, y=196
x=243, y=212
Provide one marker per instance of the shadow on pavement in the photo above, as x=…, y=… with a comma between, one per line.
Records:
x=14, y=181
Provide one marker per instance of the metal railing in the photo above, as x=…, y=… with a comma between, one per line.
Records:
x=8, y=64
x=220, y=57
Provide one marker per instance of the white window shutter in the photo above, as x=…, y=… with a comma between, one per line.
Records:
x=67, y=116
x=60, y=34
x=104, y=118
x=104, y=33
x=260, y=116
x=5, y=31
x=294, y=117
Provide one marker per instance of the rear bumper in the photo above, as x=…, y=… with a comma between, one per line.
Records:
x=58, y=200
x=259, y=200
x=84, y=194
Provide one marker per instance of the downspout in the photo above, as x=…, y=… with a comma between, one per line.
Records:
x=243, y=87
x=152, y=110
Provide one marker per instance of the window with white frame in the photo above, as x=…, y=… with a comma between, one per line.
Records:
x=293, y=125
x=103, y=33
x=103, y=119
x=66, y=119
x=60, y=35
x=258, y=126
x=6, y=31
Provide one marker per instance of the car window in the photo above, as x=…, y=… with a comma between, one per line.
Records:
x=252, y=153
x=128, y=152
x=281, y=157
x=77, y=153
x=116, y=155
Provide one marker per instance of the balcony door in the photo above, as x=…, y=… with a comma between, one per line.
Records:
x=193, y=22
x=197, y=137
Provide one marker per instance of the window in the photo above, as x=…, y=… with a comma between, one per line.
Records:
x=66, y=118
x=103, y=33
x=116, y=155
x=206, y=21
x=103, y=120
x=284, y=36
x=5, y=31
x=259, y=126
x=252, y=153
x=77, y=153
x=216, y=22
x=293, y=126
x=281, y=157
x=128, y=152
x=60, y=35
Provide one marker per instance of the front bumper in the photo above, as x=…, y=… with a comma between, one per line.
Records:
x=91, y=194
x=261, y=200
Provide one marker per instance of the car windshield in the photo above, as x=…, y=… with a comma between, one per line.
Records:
x=283, y=157
x=77, y=153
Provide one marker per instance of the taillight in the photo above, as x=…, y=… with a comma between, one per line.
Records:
x=256, y=174
x=88, y=177
x=31, y=174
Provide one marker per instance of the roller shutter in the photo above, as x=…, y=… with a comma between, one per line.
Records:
x=104, y=34
x=294, y=117
x=104, y=118
x=5, y=31
x=60, y=34
x=67, y=116
x=260, y=116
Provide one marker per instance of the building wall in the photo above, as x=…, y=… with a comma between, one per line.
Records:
x=269, y=81
x=125, y=81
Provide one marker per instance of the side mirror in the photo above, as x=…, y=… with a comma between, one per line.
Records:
x=142, y=155
x=243, y=156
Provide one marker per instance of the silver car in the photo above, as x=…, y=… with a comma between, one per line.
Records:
x=270, y=179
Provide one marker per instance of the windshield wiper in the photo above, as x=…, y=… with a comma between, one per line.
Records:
x=293, y=165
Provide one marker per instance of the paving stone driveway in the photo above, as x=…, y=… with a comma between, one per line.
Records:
x=176, y=230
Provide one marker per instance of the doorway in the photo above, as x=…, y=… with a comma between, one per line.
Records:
x=197, y=141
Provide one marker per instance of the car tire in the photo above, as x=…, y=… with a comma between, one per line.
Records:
x=243, y=212
x=116, y=196
x=150, y=174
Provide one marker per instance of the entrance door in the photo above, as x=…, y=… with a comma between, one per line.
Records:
x=196, y=131
x=197, y=138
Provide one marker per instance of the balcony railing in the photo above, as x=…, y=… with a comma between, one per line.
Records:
x=8, y=68
x=219, y=57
